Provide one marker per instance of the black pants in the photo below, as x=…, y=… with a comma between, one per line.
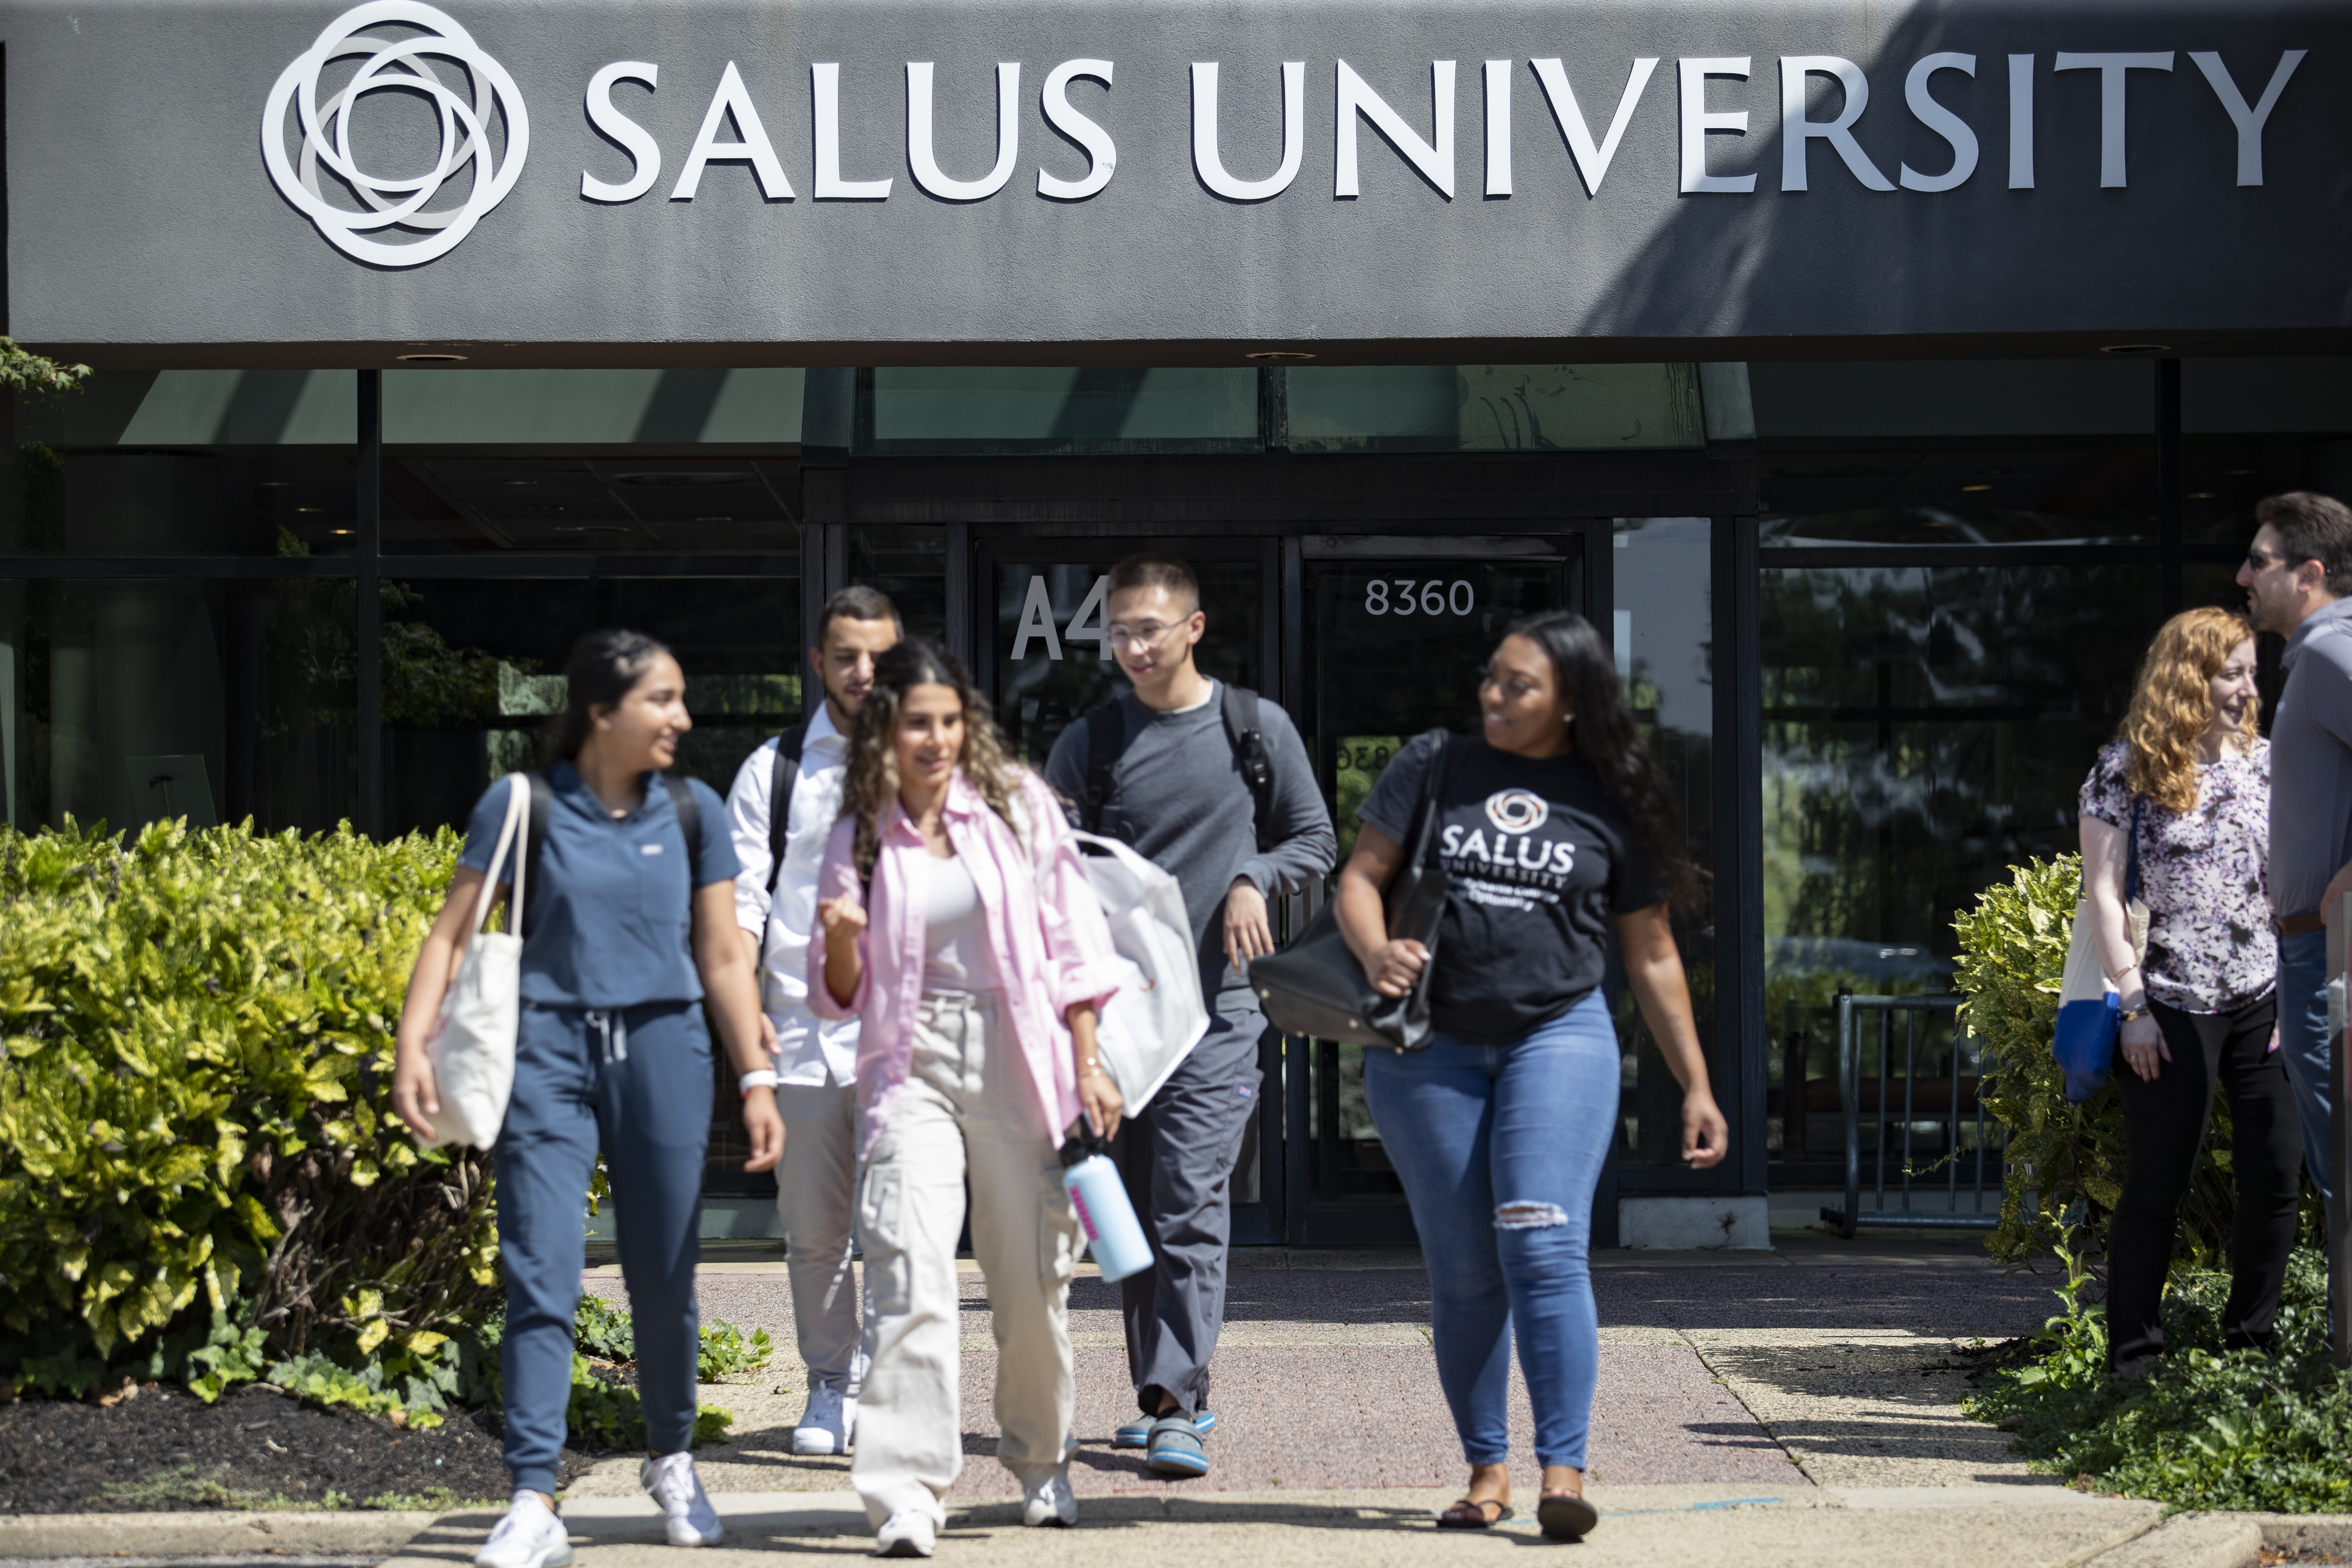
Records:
x=2164, y=1128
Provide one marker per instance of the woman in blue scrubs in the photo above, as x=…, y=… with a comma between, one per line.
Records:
x=630, y=953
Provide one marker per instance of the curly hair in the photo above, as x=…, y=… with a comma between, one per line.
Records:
x=1586, y=672
x=2172, y=702
x=871, y=782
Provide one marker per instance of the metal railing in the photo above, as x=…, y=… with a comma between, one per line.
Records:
x=1913, y=1009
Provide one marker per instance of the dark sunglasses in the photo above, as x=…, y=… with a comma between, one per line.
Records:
x=2261, y=559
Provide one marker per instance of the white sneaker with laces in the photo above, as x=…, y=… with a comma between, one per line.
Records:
x=1049, y=1502
x=529, y=1536
x=828, y=1423
x=677, y=1491
x=910, y=1532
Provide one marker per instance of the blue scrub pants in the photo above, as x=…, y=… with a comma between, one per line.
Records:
x=637, y=1082
x=1499, y=1148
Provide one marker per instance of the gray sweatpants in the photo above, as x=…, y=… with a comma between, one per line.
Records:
x=1176, y=1159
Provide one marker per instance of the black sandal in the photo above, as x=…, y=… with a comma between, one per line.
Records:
x=1468, y=1514
x=1565, y=1516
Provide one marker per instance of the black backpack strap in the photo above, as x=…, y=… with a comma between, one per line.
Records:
x=689, y=822
x=1106, y=739
x=542, y=803
x=1243, y=729
x=779, y=799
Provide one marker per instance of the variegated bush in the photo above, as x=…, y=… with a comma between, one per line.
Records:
x=194, y=1104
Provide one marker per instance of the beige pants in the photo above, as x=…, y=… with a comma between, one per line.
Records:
x=966, y=1112
x=817, y=1197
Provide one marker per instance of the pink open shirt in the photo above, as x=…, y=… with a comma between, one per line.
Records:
x=1046, y=932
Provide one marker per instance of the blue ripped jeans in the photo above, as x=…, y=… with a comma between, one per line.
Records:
x=1499, y=1149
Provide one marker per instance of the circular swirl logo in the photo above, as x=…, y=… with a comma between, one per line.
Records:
x=439, y=61
x=1517, y=810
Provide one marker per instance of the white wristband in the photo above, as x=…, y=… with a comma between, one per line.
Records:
x=758, y=1078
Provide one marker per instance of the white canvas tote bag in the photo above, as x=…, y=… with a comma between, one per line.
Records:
x=472, y=1048
x=1157, y=1017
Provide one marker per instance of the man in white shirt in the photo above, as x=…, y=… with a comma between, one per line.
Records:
x=817, y=1062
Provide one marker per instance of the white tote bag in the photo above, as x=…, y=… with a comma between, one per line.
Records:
x=1157, y=1019
x=472, y=1048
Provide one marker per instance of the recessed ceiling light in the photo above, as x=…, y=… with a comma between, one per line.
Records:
x=310, y=509
x=517, y=481
x=339, y=531
x=430, y=359
x=1969, y=488
x=1277, y=356
x=2200, y=495
x=2134, y=351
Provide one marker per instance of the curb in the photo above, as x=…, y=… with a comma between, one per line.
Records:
x=213, y=1535
x=2189, y=1540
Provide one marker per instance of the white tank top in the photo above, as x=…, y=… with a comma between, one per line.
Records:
x=955, y=929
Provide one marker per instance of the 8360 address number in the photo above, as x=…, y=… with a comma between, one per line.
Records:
x=1413, y=596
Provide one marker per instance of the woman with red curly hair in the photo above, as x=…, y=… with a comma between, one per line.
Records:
x=2186, y=787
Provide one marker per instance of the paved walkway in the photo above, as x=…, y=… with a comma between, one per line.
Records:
x=1822, y=1365
x=1795, y=1410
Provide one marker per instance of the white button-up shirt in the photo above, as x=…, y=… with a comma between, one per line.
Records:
x=811, y=1051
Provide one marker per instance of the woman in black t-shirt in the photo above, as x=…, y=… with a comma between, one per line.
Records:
x=1557, y=835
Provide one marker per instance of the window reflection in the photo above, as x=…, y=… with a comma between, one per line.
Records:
x=1924, y=729
x=1663, y=632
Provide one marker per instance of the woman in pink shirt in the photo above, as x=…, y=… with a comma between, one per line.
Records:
x=954, y=918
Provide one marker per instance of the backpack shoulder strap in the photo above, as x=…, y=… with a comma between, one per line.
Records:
x=779, y=799
x=689, y=822
x=1106, y=739
x=1245, y=729
x=543, y=806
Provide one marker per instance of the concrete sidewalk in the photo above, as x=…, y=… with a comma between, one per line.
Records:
x=1796, y=1407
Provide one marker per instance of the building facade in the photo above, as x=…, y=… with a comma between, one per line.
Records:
x=1877, y=378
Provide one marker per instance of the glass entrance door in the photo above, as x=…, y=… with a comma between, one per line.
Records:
x=1043, y=661
x=1392, y=635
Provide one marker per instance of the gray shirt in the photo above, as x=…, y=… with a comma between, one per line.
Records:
x=1178, y=796
x=2311, y=762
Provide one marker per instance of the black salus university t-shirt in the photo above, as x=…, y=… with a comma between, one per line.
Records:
x=1541, y=859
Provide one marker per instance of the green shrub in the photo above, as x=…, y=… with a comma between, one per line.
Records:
x=2205, y=1429
x=195, y=1100
x=2065, y=1161
x=200, y=1177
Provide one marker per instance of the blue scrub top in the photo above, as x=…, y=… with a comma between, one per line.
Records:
x=608, y=918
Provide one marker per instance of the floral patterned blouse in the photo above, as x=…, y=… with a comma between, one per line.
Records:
x=2203, y=874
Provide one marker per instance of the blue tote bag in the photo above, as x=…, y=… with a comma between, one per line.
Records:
x=2089, y=1007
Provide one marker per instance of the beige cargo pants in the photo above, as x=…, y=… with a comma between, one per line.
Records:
x=967, y=1111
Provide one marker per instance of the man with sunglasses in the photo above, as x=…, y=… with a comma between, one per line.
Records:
x=2298, y=583
x=1211, y=784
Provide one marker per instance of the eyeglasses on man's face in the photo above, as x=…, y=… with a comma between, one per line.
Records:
x=1150, y=633
x=2263, y=560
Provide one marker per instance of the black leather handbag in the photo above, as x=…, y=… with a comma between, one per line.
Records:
x=1315, y=987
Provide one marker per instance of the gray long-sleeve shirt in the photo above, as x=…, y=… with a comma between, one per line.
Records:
x=1178, y=796
x=2311, y=762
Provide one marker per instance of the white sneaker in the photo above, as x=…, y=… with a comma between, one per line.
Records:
x=529, y=1536
x=677, y=1491
x=1049, y=1502
x=828, y=1424
x=908, y=1532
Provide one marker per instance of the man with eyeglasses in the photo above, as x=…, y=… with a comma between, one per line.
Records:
x=1212, y=785
x=2298, y=583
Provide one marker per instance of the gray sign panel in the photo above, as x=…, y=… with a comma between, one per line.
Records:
x=588, y=181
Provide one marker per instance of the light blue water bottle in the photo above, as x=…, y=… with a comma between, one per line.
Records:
x=1109, y=1220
